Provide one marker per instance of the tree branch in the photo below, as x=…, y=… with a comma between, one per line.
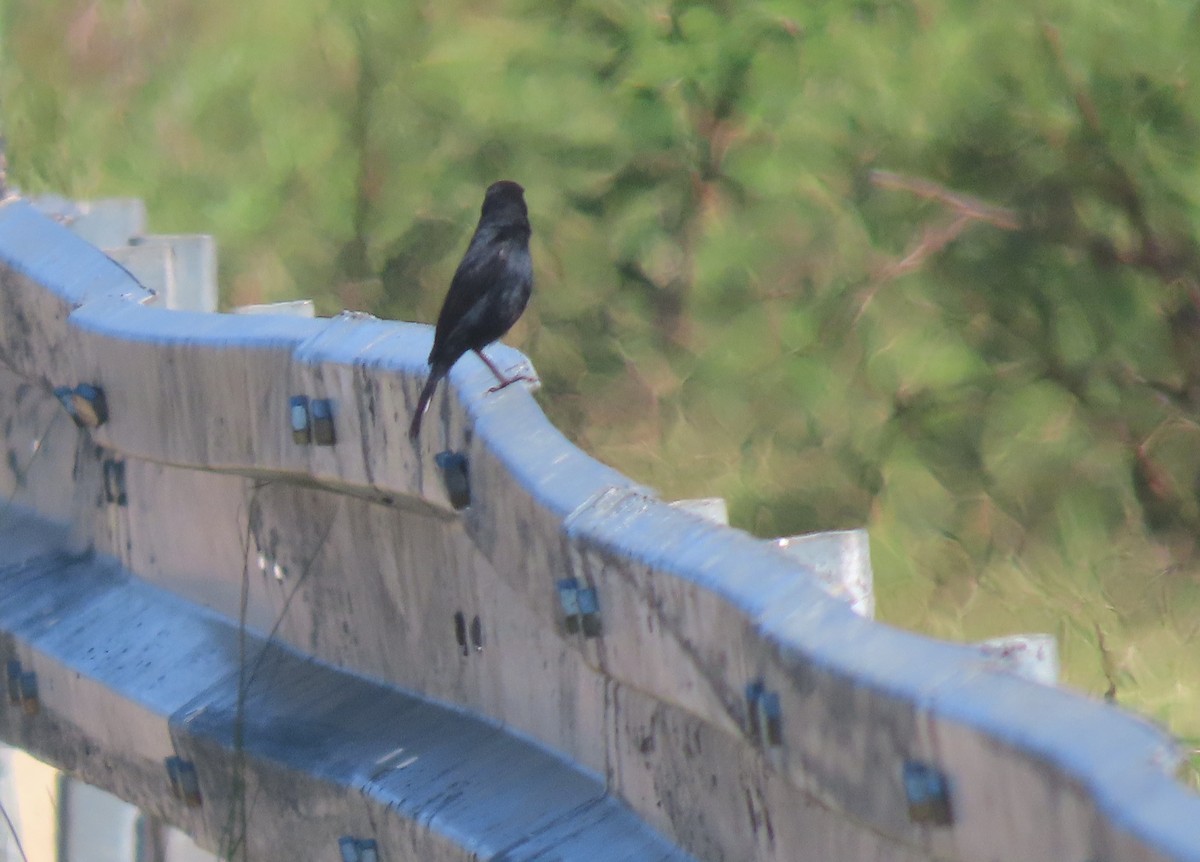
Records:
x=967, y=206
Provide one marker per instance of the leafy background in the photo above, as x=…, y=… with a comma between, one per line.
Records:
x=929, y=267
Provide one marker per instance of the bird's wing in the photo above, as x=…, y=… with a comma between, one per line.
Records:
x=481, y=267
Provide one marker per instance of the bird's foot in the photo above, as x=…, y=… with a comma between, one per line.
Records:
x=509, y=381
x=504, y=379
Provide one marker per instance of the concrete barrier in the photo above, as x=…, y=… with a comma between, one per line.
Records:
x=243, y=600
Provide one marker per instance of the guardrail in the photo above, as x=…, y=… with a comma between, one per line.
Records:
x=235, y=594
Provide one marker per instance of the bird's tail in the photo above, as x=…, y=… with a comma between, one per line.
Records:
x=435, y=375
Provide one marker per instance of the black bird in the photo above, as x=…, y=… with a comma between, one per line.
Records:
x=488, y=293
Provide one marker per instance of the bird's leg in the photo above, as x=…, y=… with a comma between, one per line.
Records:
x=504, y=380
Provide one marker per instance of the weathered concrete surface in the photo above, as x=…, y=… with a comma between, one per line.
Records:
x=129, y=675
x=354, y=555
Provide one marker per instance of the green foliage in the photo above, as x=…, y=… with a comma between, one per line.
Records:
x=992, y=361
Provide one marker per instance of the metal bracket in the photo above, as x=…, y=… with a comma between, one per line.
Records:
x=460, y=632
x=764, y=715
x=114, y=481
x=23, y=688
x=358, y=849
x=311, y=420
x=322, y=421
x=298, y=418
x=456, y=475
x=580, y=607
x=928, y=793
x=477, y=634
x=185, y=784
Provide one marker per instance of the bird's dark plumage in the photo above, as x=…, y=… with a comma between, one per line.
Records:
x=489, y=290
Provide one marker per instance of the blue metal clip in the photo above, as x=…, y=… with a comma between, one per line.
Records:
x=456, y=476
x=298, y=416
x=580, y=607
x=928, y=792
x=322, y=422
x=185, y=783
x=358, y=849
x=764, y=714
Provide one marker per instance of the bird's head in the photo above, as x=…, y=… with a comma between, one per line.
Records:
x=504, y=198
